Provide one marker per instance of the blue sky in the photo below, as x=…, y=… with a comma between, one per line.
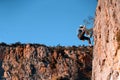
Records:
x=49, y=22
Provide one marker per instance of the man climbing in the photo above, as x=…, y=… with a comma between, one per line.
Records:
x=82, y=31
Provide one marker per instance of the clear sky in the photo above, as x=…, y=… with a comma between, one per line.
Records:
x=49, y=22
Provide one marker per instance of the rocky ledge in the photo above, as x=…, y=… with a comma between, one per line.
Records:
x=39, y=62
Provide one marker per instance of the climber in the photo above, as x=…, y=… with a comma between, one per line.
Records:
x=82, y=31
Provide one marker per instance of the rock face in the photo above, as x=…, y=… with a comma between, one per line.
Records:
x=106, y=54
x=39, y=62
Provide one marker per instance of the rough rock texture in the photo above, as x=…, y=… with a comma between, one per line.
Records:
x=106, y=54
x=39, y=62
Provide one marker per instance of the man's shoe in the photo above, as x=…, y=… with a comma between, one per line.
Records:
x=90, y=45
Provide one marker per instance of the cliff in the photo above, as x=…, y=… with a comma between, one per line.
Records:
x=106, y=54
x=39, y=62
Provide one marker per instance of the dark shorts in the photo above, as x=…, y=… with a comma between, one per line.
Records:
x=84, y=38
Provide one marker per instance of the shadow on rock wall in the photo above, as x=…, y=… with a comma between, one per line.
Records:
x=1, y=70
x=1, y=61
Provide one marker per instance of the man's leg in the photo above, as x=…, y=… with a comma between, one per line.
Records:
x=88, y=39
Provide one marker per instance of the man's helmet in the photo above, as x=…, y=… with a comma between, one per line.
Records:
x=82, y=26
